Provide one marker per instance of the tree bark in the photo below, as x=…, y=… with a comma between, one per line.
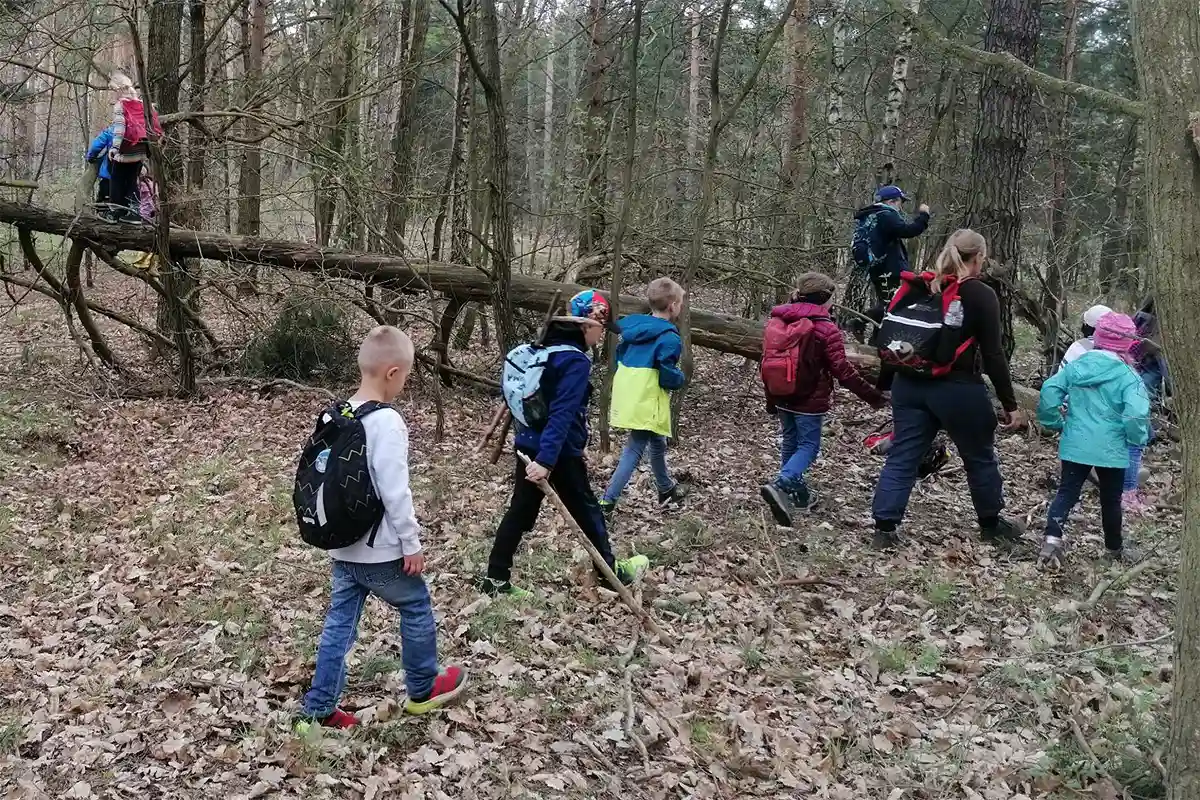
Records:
x=897, y=90
x=1167, y=49
x=197, y=144
x=1113, y=255
x=591, y=207
x=835, y=104
x=1001, y=140
x=453, y=205
x=404, y=132
x=249, y=212
x=1053, y=296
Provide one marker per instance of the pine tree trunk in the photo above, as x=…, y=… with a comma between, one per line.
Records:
x=249, y=215
x=591, y=167
x=1167, y=48
x=400, y=183
x=998, y=150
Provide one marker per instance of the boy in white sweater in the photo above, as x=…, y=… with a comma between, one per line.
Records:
x=387, y=562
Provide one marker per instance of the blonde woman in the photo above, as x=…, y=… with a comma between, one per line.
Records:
x=129, y=148
x=953, y=398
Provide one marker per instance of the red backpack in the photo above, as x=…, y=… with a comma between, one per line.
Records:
x=921, y=333
x=791, y=362
x=135, y=123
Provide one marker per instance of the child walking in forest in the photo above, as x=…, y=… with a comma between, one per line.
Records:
x=388, y=559
x=803, y=352
x=647, y=372
x=554, y=441
x=1101, y=405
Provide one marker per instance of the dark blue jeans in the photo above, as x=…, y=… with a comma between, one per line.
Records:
x=409, y=595
x=639, y=442
x=1071, y=486
x=922, y=407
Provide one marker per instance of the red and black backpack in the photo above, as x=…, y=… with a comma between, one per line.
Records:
x=791, y=359
x=921, y=333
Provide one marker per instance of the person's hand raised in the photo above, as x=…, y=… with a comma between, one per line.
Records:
x=923, y=208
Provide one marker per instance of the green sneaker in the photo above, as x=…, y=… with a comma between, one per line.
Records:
x=630, y=570
x=495, y=588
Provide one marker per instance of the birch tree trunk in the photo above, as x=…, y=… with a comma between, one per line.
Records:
x=835, y=104
x=1167, y=48
x=897, y=90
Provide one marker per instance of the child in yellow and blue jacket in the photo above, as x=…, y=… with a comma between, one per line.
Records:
x=647, y=371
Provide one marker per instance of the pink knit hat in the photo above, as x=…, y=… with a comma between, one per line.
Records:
x=1116, y=333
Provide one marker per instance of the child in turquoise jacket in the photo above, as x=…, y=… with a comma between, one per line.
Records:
x=1102, y=408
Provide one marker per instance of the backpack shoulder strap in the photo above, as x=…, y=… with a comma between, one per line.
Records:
x=368, y=408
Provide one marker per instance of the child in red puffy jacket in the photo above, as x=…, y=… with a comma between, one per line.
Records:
x=803, y=352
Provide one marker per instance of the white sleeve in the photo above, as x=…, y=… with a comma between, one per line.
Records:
x=389, y=464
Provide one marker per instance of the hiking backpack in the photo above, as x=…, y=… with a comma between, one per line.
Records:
x=521, y=382
x=921, y=333
x=135, y=123
x=865, y=247
x=336, y=503
x=790, y=364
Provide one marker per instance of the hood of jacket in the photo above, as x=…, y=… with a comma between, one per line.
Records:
x=794, y=312
x=867, y=211
x=1096, y=367
x=644, y=328
x=571, y=333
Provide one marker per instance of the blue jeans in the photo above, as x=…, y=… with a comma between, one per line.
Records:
x=1069, y=489
x=409, y=595
x=1130, y=484
x=639, y=442
x=801, y=442
x=921, y=407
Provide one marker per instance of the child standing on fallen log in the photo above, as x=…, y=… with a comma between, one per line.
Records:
x=647, y=372
x=547, y=389
x=1108, y=413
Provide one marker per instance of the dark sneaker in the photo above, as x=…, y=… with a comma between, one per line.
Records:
x=780, y=503
x=885, y=540
x=630, y=570
x=495, y=588
x=1128, y=554
x=803, y=498
x=1005, y=531
x=608, y=510
x=446, y=686
x=672, y=498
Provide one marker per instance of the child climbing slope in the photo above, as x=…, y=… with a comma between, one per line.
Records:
x=1108, y=412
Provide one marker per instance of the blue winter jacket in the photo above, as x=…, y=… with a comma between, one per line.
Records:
x=1108, y=410
x=891, y=229
x=647, y=369
x=99, y=150
x=567, y=391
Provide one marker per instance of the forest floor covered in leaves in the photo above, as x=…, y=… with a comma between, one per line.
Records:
x=159, y=617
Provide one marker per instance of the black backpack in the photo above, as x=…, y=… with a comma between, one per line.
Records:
x=336, y=503
x=921, y=333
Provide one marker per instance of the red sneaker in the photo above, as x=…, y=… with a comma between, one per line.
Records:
x=339, y=719
x=448, y=685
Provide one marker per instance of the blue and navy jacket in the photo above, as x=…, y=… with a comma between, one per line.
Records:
x=99, y=150
x=892, y=228
x=647, y=370
x=567, y=391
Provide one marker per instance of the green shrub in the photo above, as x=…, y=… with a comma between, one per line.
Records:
x=310, y=342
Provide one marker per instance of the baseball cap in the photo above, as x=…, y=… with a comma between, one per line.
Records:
x=1092, y=316
x=590, y=307
x=885, y=193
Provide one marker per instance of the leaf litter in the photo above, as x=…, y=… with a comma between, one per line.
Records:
x=160, y=619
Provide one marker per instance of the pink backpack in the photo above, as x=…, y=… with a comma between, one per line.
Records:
x=135, y=123
x=147, y=197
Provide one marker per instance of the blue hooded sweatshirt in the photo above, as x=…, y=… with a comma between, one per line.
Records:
x=99, y=150
x=1108, y=410
x=567, y=391
x=647, y=369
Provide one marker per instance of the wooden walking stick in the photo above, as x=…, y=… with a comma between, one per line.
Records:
x=620, y=588
x=503, y=417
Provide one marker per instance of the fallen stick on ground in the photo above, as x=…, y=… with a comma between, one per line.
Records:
x=620, y=588
x=491, y=428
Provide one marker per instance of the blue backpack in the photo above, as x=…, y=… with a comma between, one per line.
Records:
x=521, y=382
x=865, y=247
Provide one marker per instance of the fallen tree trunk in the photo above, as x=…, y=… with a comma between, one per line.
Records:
x=726, y=334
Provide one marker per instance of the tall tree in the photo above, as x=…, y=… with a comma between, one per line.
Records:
x=1000, y=143
x=400, y=183
x=897, y=91
x=593, y=99
x=254, y=27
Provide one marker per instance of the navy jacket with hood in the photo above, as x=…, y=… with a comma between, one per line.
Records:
x=892, y=228
x=567, y=391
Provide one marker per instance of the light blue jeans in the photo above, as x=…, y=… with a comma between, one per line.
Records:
x=1135, y=466
x=409, y=595
x=639, y=442
x=800, y=444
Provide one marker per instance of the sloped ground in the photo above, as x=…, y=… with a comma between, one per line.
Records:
x=160, y=617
